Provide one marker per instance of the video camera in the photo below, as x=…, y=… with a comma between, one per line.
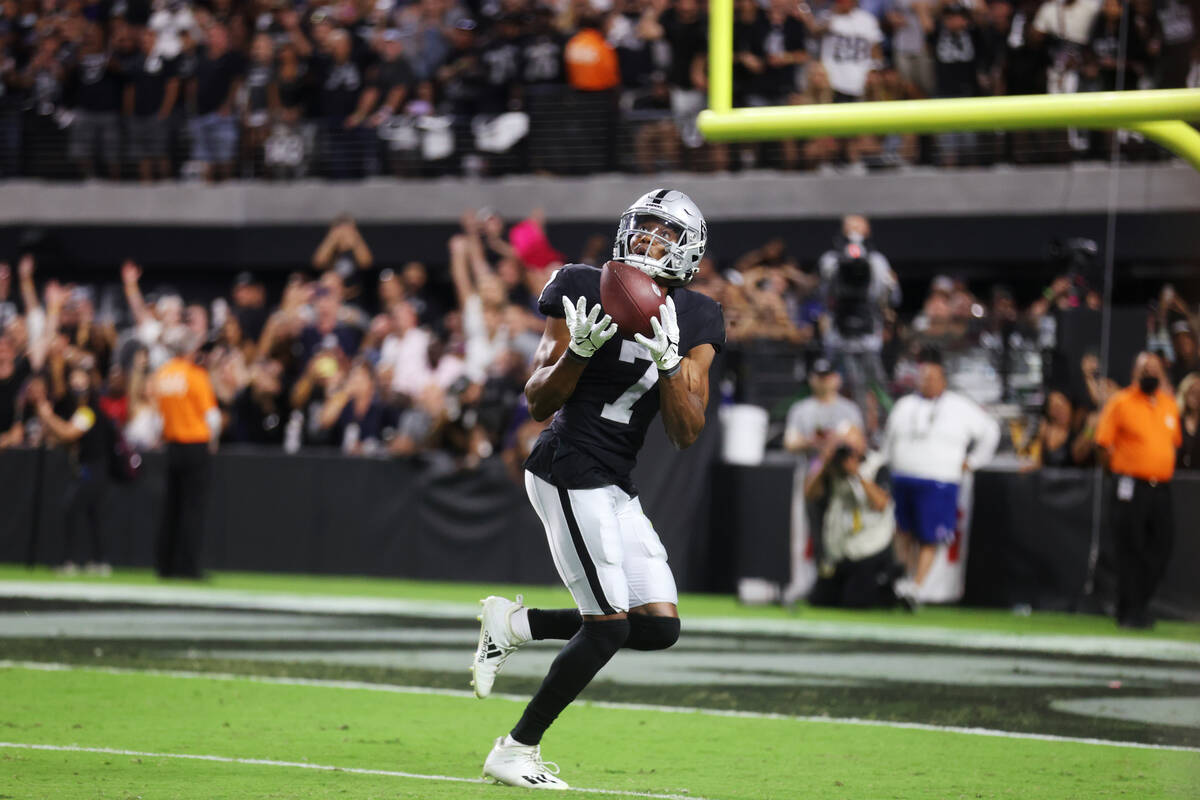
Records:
x=853, y=313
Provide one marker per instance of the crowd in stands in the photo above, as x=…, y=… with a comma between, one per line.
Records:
x=402, y=363
x=210, y=89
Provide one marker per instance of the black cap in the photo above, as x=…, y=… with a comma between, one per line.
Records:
x=822, y=366
x=929, y=355
x=243, y=278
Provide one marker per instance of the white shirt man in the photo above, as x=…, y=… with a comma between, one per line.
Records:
x=1067, y=19
x=849, y=46
x=933, y=438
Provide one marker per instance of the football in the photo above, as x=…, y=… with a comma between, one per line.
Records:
x=631, y=297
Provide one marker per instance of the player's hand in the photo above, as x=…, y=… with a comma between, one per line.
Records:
x=588, y=334
x=664, y=347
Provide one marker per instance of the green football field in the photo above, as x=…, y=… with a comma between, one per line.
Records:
x=238, y=688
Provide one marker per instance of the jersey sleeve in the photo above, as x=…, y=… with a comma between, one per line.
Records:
x=564, y=282
x=711, y=329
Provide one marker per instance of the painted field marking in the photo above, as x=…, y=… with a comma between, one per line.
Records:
x=712, y=712
x=263, y=762
x=1108, y=646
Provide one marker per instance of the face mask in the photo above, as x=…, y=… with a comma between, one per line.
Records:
x=1148, y=384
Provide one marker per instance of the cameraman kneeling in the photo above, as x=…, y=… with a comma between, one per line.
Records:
x=857, y=570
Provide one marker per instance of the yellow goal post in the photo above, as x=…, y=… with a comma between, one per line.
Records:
x=1158, y=114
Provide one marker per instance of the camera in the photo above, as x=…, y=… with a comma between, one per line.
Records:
x=852, y=309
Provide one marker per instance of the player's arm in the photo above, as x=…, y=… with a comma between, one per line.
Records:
x=684, y=396
x=683, y=380
x=566, y=346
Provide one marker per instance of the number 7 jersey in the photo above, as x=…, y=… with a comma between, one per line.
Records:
x=595, y=437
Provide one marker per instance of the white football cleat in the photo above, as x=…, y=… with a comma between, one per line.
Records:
x=496, y=642
x=521, y=765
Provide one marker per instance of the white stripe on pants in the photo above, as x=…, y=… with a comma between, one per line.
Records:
x=603, y=546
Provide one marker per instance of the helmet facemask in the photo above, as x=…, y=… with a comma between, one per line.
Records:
x=638, y=244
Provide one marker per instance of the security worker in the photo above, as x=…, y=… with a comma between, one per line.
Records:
x=1138, y=434
x=191, y=424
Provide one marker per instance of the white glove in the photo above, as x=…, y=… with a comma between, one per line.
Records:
x=664, y=347
x=587, y=334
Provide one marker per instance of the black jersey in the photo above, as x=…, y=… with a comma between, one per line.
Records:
x=595, y=437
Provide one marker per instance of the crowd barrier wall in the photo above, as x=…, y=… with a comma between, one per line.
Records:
x=1030, y=536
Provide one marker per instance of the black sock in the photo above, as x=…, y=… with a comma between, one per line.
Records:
x=651, y=633
x=557, y=623
x=573, y=669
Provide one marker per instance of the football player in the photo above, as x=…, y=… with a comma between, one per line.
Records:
x=603, y=388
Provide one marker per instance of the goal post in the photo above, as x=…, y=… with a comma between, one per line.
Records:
x=1156, y=113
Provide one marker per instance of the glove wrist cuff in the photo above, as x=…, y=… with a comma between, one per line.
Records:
x=669, y=371
x=576, y=356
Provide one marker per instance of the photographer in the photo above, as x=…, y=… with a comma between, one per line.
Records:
x=857, y=283
x=857, y=569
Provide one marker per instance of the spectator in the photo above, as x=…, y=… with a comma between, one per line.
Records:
x=171, y=20
x=14, y=371
x=255, y=105
x=211, y=93
x=956, y=44
x=404, y=366
x=1178, y=25
x=329, y=329
x=821, y=418
x=151, y=90
x=934, y=438
x=143, y=430
x=191, y=426
x=14, y=97
x=353, y=414
x=1183, y=347
x=414, y=281
x=1052, y=445
x=857, y=567
x=78, y=424
x=819, y=152
x=345, y=251
x=248, y=305
x=1188, y=400
x=95, y=85
x=543, y=89
x=594, y=76
x=8, y=309
x=851, y=42
x=344, y=102
x=910, y=52
x=152, y=325
x=258, y=409
x=1138, y=436
x=482, y=302
x=655, y=138
x=1104, y=50
x=461, y=80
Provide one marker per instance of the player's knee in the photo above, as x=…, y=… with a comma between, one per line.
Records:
x=606, y=634
x=652, y=633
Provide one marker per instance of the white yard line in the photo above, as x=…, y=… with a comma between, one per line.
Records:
x=262, y=762
x=382, y=687
x=1108, y=646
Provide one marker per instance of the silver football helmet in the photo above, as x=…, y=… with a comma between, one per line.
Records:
x=680, y=260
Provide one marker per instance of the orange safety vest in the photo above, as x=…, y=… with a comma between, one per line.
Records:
x=1140, y=435
x=591, y=62
x=184, y=394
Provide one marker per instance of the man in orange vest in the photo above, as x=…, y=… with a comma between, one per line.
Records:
x=1138, y=434
x=594, y=76
x=191, y=424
